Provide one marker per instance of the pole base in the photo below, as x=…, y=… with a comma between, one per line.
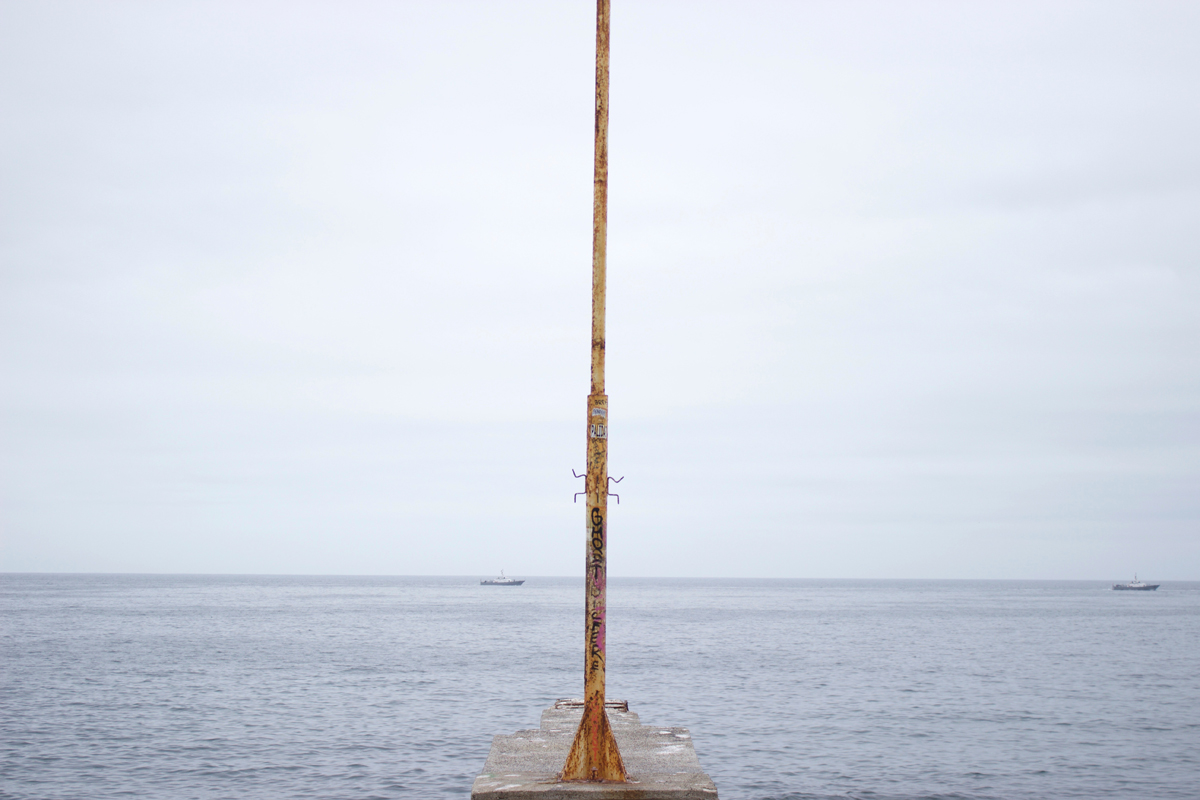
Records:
x=661, y=761
x=594, y=754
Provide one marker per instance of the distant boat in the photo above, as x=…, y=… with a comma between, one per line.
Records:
x=1136, y=585
x=503, y=581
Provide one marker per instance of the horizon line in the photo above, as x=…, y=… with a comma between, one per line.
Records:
x=528, y=576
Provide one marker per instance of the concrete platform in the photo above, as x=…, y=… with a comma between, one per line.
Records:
x=661, y=761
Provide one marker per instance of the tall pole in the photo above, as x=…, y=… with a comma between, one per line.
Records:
x=594, y=755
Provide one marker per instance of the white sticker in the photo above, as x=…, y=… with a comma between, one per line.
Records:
x=599, y=412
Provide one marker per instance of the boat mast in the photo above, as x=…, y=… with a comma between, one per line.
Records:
x=594, y=755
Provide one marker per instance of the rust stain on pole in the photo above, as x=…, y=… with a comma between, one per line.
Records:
x=594, y=755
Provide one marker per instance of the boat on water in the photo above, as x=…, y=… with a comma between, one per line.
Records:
x=503, y=581
x=1136, y=586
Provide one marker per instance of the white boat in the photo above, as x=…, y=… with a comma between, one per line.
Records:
x=503, y=581
x=1136, y=586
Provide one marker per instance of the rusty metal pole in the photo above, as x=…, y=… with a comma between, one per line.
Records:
x=594, y=755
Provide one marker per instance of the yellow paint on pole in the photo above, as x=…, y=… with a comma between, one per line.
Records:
x=594, y=755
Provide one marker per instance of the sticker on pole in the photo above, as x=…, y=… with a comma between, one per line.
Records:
x=596, y=431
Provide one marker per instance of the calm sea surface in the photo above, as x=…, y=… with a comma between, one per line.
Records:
x=353, y=688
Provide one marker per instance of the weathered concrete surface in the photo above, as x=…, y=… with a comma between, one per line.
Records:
x=661, y=761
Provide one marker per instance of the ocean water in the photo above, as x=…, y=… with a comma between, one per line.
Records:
x=351, y=688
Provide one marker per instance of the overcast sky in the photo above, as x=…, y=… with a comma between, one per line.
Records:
x=902, y=290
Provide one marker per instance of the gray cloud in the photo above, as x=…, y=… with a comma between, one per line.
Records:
x=895, y=291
